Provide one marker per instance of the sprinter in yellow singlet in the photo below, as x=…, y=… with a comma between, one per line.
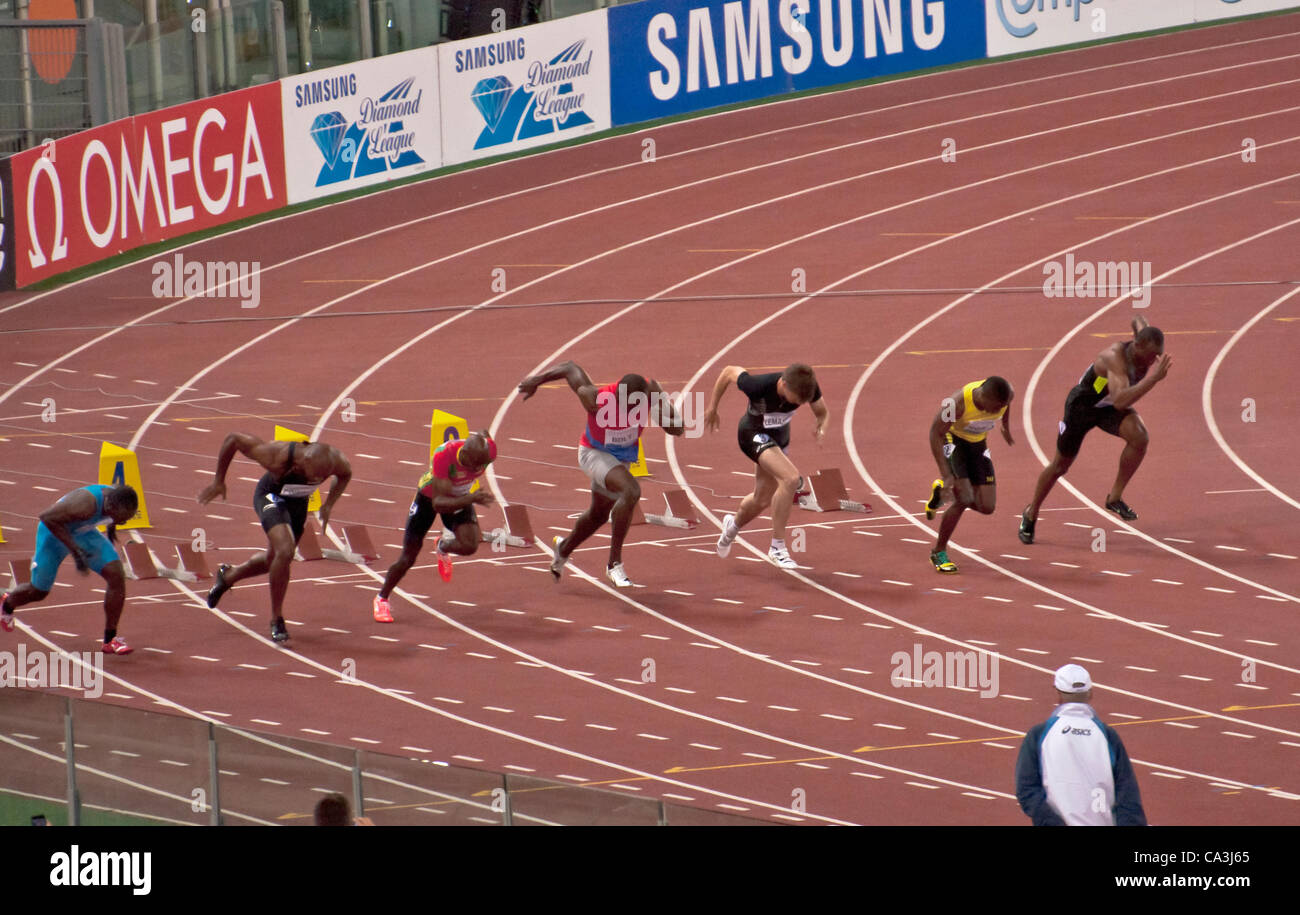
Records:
x=958, y=443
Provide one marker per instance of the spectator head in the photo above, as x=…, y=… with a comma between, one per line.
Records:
x=332, y=810
x=1073, y=684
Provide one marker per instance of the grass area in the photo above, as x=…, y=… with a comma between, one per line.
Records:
x=146, y=252
x=18, y=810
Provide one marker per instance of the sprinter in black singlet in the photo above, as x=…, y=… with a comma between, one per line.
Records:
x=1104, y=398
x=294, y=471
x=763, y=434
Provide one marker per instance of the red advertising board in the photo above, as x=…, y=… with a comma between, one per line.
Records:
x=145, y=179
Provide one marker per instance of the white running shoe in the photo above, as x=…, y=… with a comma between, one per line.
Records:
x=729, y=532
x=618, y=576
x=781, y=558
x=557, y=564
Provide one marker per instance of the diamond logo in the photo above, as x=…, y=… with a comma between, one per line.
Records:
x=490, y=97
x=328, y=131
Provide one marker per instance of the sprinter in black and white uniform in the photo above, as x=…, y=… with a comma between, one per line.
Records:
x=1104, y=397
x=294, y=471
x=764, y=435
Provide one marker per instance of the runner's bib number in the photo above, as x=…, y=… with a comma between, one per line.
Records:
x=626, y=436
x=297, y=490
x=776, y=420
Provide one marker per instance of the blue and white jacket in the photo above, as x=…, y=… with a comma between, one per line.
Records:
x=1074, y=771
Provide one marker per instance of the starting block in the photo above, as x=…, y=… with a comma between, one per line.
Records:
x=518, y=530
x=309, y=548
x=21, y=569
x=680, y=512
x=357, y=537
x=191, y=560
x=143, y=566
x=829, y=494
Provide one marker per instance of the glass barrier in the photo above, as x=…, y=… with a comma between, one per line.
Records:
x=32, y=756
x=140, y=763
x=134, y=766
x=406, y=792
x=272, y=780
x=536, y=802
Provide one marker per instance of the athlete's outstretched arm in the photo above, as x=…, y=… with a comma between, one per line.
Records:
x=668, y=418
x=726, y=378
x=342, y=473
x=1006, y=420
x=823, y=414
x=572, y=373
x=265, y=453
x=1124, y=395
x=949, y=412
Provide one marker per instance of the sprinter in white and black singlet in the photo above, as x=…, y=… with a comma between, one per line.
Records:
x=763, y=435
x=294, y=470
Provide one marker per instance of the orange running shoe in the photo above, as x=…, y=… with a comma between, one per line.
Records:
x=444, y=563
x=382, y=612
x=117, y=646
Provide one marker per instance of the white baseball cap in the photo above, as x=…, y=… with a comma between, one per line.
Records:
x=1073, y=679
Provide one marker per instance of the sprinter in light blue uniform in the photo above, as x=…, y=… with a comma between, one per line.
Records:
x=70, y=527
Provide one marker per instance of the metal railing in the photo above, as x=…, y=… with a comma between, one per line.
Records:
x=82, y=755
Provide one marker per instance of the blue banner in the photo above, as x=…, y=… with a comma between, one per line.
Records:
x=675, y=56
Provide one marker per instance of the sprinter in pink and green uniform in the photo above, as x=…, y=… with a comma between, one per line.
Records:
x=444, y=491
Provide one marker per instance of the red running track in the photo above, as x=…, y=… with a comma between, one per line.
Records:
x=771, y=693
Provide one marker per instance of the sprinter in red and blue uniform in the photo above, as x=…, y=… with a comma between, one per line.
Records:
x=617, y=414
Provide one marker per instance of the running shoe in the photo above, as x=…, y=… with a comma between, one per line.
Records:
x=117, y=646
x=941, y=563
x=444, y=563
x=279, y=631
x=616, y=574
x=220, y=587
x=729, y=532
x=1026, y=528
x=781, y=558
x=936, y=499
x=383, y=614
x=7, y=622
x=1119, y=508
x=557, y=564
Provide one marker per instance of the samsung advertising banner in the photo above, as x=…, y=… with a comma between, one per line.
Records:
x=1015, y=26
x=675, y=56
x=525, y=87
x=360, y=124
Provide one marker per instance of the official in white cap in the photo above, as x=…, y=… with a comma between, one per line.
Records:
x=1072, y=769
